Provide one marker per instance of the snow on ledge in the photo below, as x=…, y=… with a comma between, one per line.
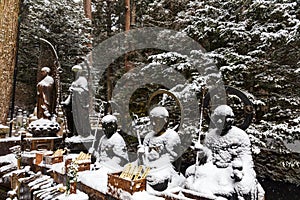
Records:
x=78, y=196
x=80, y=139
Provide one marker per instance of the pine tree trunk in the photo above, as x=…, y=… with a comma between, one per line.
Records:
x=88, y=14
x=127, y=28
x=127, y=15
x=9, y=11
x=88, y=8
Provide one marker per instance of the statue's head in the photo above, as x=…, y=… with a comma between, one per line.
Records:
x=109, y=125
x=45, y=71
x=223, y=118
x=159, y=119
x=76, y=68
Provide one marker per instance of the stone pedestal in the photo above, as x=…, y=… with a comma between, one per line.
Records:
x=44, y=128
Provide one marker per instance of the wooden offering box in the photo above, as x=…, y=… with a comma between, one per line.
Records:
x=53, y=159
x=84, y=165
x=67, y=162
x=116, y=184
x=39, y=156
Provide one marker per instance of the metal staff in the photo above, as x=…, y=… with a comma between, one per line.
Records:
x=96, y=131
x=137, y=132
x=144, y=158
x=199, y=132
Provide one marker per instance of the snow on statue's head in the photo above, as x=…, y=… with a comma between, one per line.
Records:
x=77, y=68
x=160, y=112
x=223, y=118
x=159, y=119
x=223, y=110
x=108, y=119
x=45, y=69
x=109, y=125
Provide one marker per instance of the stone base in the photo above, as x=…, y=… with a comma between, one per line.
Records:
x=49, y=143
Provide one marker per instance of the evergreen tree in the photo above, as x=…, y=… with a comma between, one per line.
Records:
x=9, y=15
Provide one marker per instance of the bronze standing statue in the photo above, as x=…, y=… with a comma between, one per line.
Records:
x=46, y=95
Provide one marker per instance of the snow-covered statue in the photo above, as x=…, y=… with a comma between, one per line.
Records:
x=160, y=148
x=112, y=151
x=45, y=95
x=80, y=103
x=229, y=169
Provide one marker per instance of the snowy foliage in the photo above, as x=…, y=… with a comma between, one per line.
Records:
x=60, y=22
x=108, y=18
x=254, y=44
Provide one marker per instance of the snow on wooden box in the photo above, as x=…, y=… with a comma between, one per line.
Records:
x=117, y=185
x=83, y=165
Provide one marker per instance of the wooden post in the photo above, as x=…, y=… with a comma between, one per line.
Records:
x=19, y=163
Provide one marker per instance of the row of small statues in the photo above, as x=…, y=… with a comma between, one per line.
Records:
x=226, y=169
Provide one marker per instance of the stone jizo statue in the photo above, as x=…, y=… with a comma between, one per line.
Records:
x=112, y=150
x=229, y=168
x=159, y=150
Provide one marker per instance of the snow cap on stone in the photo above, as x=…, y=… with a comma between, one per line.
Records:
x=109, y=118
x=159, y=112
x=223, y=110
x=45, y=69
x=76, y=68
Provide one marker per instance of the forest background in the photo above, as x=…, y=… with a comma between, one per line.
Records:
x=254, y=43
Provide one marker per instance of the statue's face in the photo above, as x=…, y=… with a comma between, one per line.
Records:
x=109, y=128
x=223, y=123
x=44, y=73
x=158, y=124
